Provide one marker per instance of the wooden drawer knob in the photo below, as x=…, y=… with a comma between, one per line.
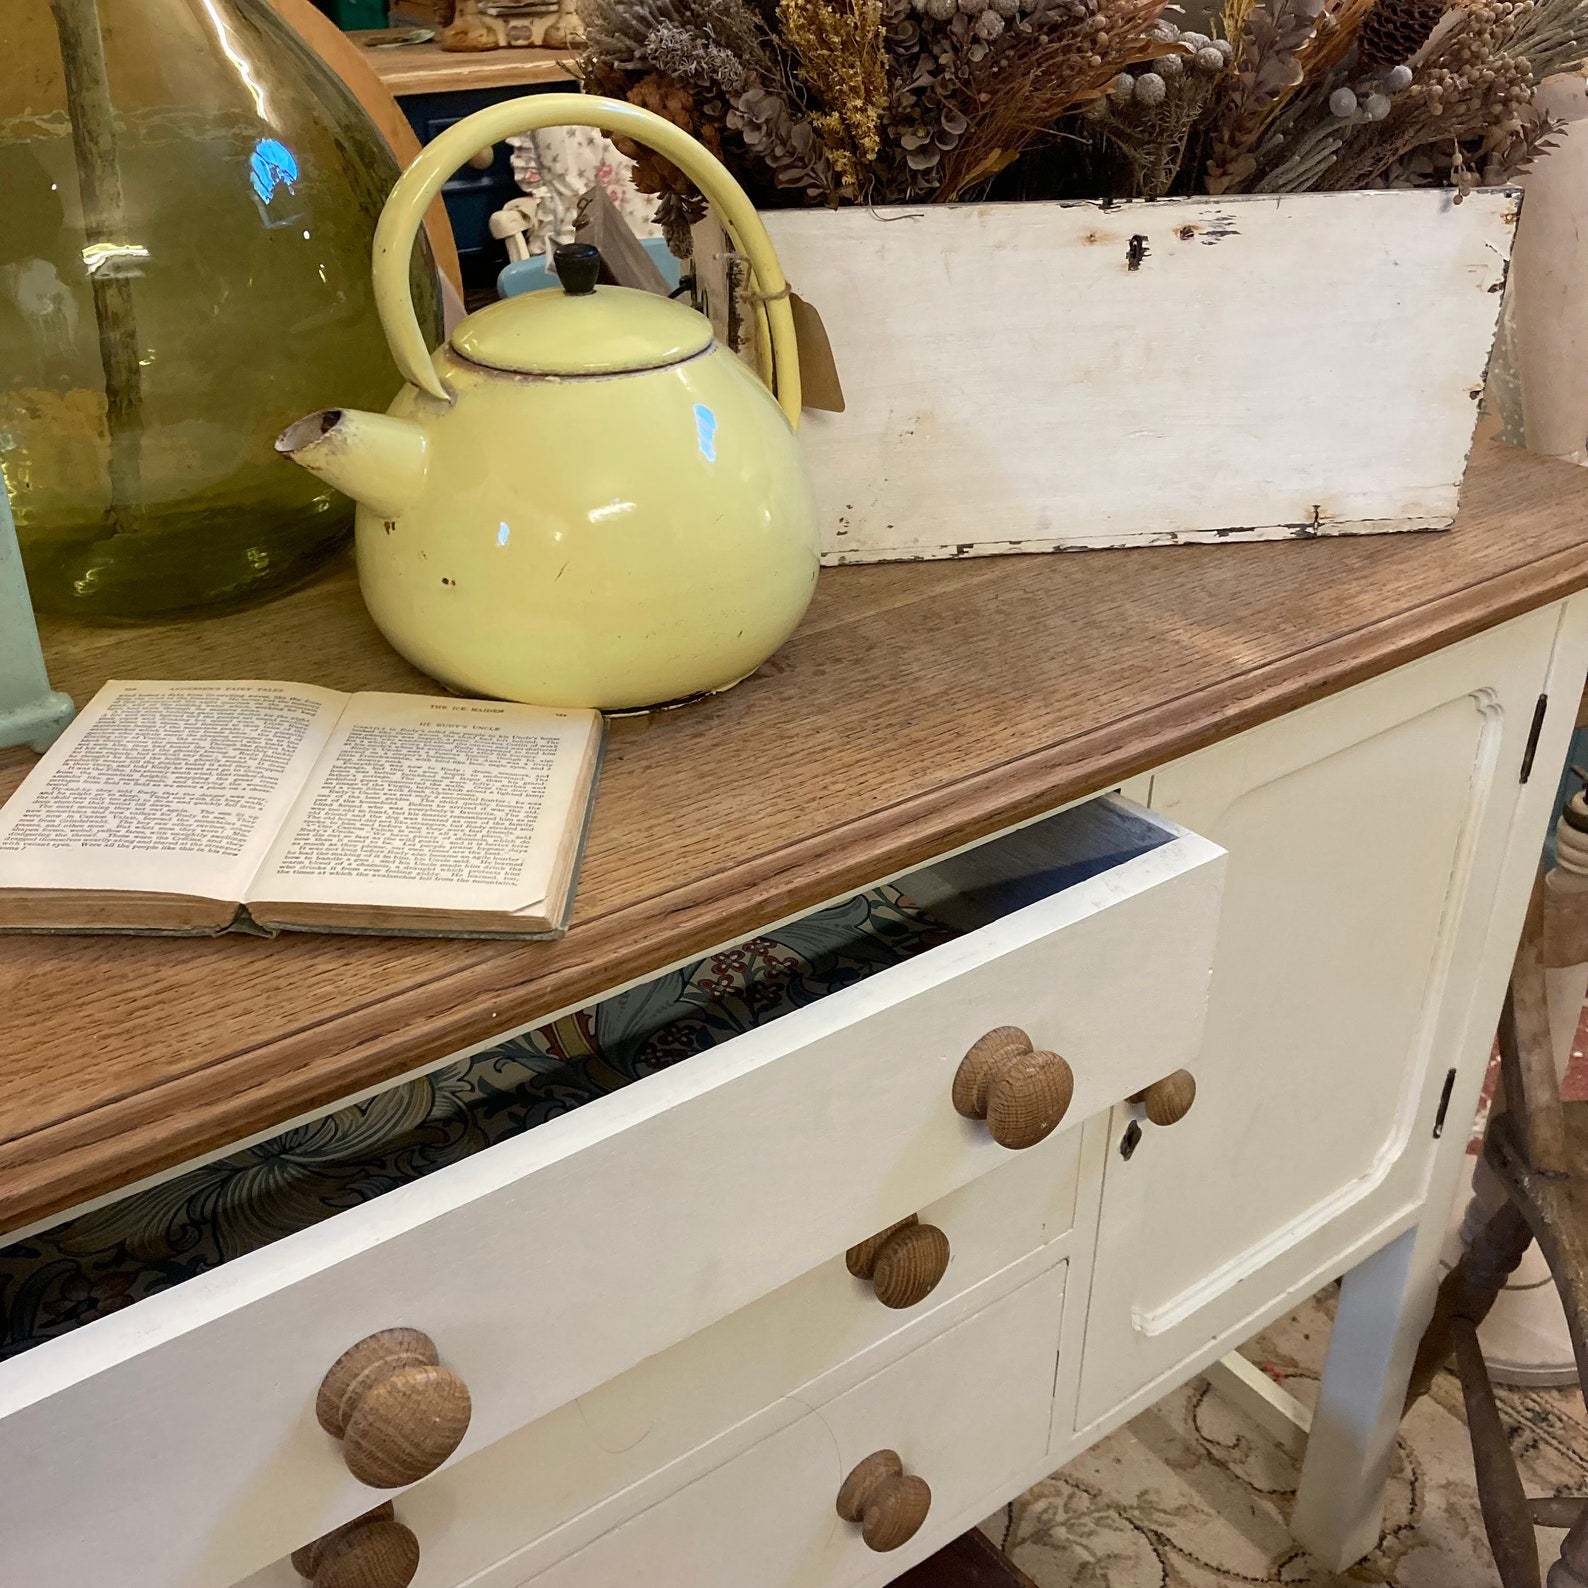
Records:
x=373, y=1551
x=1169, y=1100
x=1019, y=1090
x=903, y=1262
x=397, y=1411
x=889, y=1504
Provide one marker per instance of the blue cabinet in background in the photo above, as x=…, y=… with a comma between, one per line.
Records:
x=472, y=196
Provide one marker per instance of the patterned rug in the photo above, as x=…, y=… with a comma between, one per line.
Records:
x=1192, y=1494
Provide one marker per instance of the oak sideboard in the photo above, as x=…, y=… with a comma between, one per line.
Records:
x=1228, y=849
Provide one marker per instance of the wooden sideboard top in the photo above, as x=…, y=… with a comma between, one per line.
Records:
x=429, y=69
x=920, y=706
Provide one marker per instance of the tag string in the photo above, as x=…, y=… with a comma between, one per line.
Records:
x=753, y=294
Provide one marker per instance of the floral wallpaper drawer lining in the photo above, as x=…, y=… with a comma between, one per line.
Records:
x=108, y=1258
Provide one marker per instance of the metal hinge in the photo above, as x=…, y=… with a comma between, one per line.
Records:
x=1444, y=1105
x=1532, y=738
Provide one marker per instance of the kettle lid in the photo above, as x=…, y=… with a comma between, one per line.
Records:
x=584, y=329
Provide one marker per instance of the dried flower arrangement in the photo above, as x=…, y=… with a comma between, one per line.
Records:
x=826, y=102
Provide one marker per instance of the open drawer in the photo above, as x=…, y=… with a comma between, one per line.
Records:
x=175, y=1444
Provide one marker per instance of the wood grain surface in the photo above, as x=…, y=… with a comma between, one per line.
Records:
x=429, y=69
x=918, y=707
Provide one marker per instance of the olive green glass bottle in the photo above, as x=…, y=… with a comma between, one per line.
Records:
x=190, y=200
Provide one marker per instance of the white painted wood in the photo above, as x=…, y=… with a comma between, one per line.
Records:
x=1376, y=1328
x=603, y=1458
x=1382, y=851
x=185, y=1427
x=486, y=1508
x=1136, y=790
x=1385, y=1305
x=1275, y=1408
x=1367, y=838
x=1275, y=367
x=967, y=1409
x=1271, y=1406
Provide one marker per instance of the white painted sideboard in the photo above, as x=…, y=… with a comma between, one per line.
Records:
x=671, y=1367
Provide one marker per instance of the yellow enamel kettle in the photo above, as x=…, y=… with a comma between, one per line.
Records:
x=581, y=499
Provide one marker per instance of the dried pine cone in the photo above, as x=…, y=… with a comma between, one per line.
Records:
x=1394, y=31
x=667, y=97
x=670, y=100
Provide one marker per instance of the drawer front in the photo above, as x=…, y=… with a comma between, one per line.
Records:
x=653, y=1429
x=1366, y=837
x=548, y=1265
x=969, y=1412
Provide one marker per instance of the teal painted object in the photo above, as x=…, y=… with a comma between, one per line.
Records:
x=354, y=15
x=535, y=274
x=31, y=712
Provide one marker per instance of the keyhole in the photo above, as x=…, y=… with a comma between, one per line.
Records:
x=1130, y=1140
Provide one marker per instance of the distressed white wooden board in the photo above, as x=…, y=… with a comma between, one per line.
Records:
x=182, y=1446
x=1275, y=366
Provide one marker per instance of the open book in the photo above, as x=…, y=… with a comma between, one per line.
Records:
x=242, y=806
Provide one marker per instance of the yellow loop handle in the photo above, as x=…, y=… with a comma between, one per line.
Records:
x=419, y=184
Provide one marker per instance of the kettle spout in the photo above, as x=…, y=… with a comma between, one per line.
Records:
x=377, y=460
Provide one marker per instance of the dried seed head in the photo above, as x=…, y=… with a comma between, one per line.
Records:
x=1151, y=89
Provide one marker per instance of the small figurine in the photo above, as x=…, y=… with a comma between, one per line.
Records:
x=514, y=24
x=565, y=31
x=469, y=31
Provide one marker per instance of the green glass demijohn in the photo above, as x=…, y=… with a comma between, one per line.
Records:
x=190, y=198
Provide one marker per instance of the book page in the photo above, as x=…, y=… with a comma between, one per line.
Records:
x=166, y=788
x=428, y=803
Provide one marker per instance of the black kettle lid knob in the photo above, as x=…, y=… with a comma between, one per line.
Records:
x=578, y=267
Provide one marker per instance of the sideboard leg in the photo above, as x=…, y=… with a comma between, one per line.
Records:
x=1384, y=1307
x=1386, y=1301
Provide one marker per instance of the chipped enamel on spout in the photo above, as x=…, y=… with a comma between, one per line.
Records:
x=581, y=499
x=377, y=460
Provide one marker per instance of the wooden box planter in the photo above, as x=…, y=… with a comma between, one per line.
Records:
x=1045, y=376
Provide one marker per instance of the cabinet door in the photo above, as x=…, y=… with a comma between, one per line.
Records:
x=1365, y=835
